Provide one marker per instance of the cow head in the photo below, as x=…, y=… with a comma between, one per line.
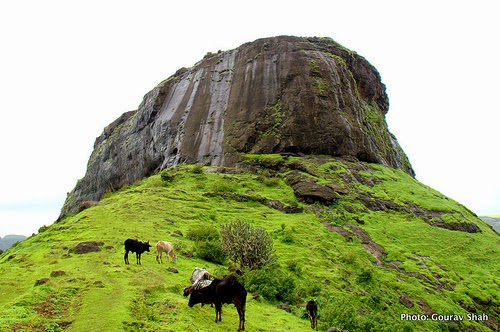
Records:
x=195, y=298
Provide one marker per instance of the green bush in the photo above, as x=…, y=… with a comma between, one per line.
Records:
x=272, y=283
x=197, y=168
x=167, y=177
x=53, y=327
x=210, y=251
x=365, y=275
x=248, y=246
x=339, y=311
x=294, y=267
x=287, y=236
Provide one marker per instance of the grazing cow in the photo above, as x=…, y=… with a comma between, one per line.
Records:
x=199, y=273
x=312, y=312
x=199, y=278
x=164, y=246
x=227, y=290
x=135, y=246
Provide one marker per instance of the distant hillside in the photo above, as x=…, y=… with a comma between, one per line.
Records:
x=371, y=244
x=9, y=240
x=494, y=221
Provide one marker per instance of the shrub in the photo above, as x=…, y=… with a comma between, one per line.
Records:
x=197, y=168
x=167, y=177
x=210, y=251
x=53, y=327
x=208, y=246
x=365, y=275
x=287, y=236
x=339, y=310
x=248, y=246
x=272, y=283
x=294, y=267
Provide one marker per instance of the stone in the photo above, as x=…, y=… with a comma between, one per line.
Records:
x=406, y=301
x=311, y=192
x=282, y=94
x=173, y=270
x=42, y=281
x=85, y=247
x=284, y=306
x=57, y=273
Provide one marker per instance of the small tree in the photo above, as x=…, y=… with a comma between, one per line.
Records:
x=248, y=246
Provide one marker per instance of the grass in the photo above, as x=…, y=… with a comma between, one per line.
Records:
x=441, y=271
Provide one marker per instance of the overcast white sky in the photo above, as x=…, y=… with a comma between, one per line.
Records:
x=69, y=68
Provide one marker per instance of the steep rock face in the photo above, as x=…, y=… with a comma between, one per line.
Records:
x=282, y=94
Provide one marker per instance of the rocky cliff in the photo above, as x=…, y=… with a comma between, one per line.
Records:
x=273, y=95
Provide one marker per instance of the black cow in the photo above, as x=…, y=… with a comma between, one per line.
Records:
x=312, y=312
x=227, y=290
x=135, y=246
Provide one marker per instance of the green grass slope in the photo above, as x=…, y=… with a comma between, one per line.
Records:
x=387, y=246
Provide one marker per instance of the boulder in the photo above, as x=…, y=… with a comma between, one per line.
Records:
x=85, y=247
x=284, y=94
x=311, y=192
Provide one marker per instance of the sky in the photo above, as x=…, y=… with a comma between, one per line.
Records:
x=69, y=68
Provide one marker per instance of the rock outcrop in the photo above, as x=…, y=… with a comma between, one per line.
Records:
x=274, y=95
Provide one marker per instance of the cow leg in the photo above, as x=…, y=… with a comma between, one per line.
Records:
x=126, y=257
x=313, y=317
x=241, y=313
x=138, y=256
x=242, y=320
x=218, y=312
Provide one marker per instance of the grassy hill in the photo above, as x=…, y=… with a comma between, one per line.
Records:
x=387, y=246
